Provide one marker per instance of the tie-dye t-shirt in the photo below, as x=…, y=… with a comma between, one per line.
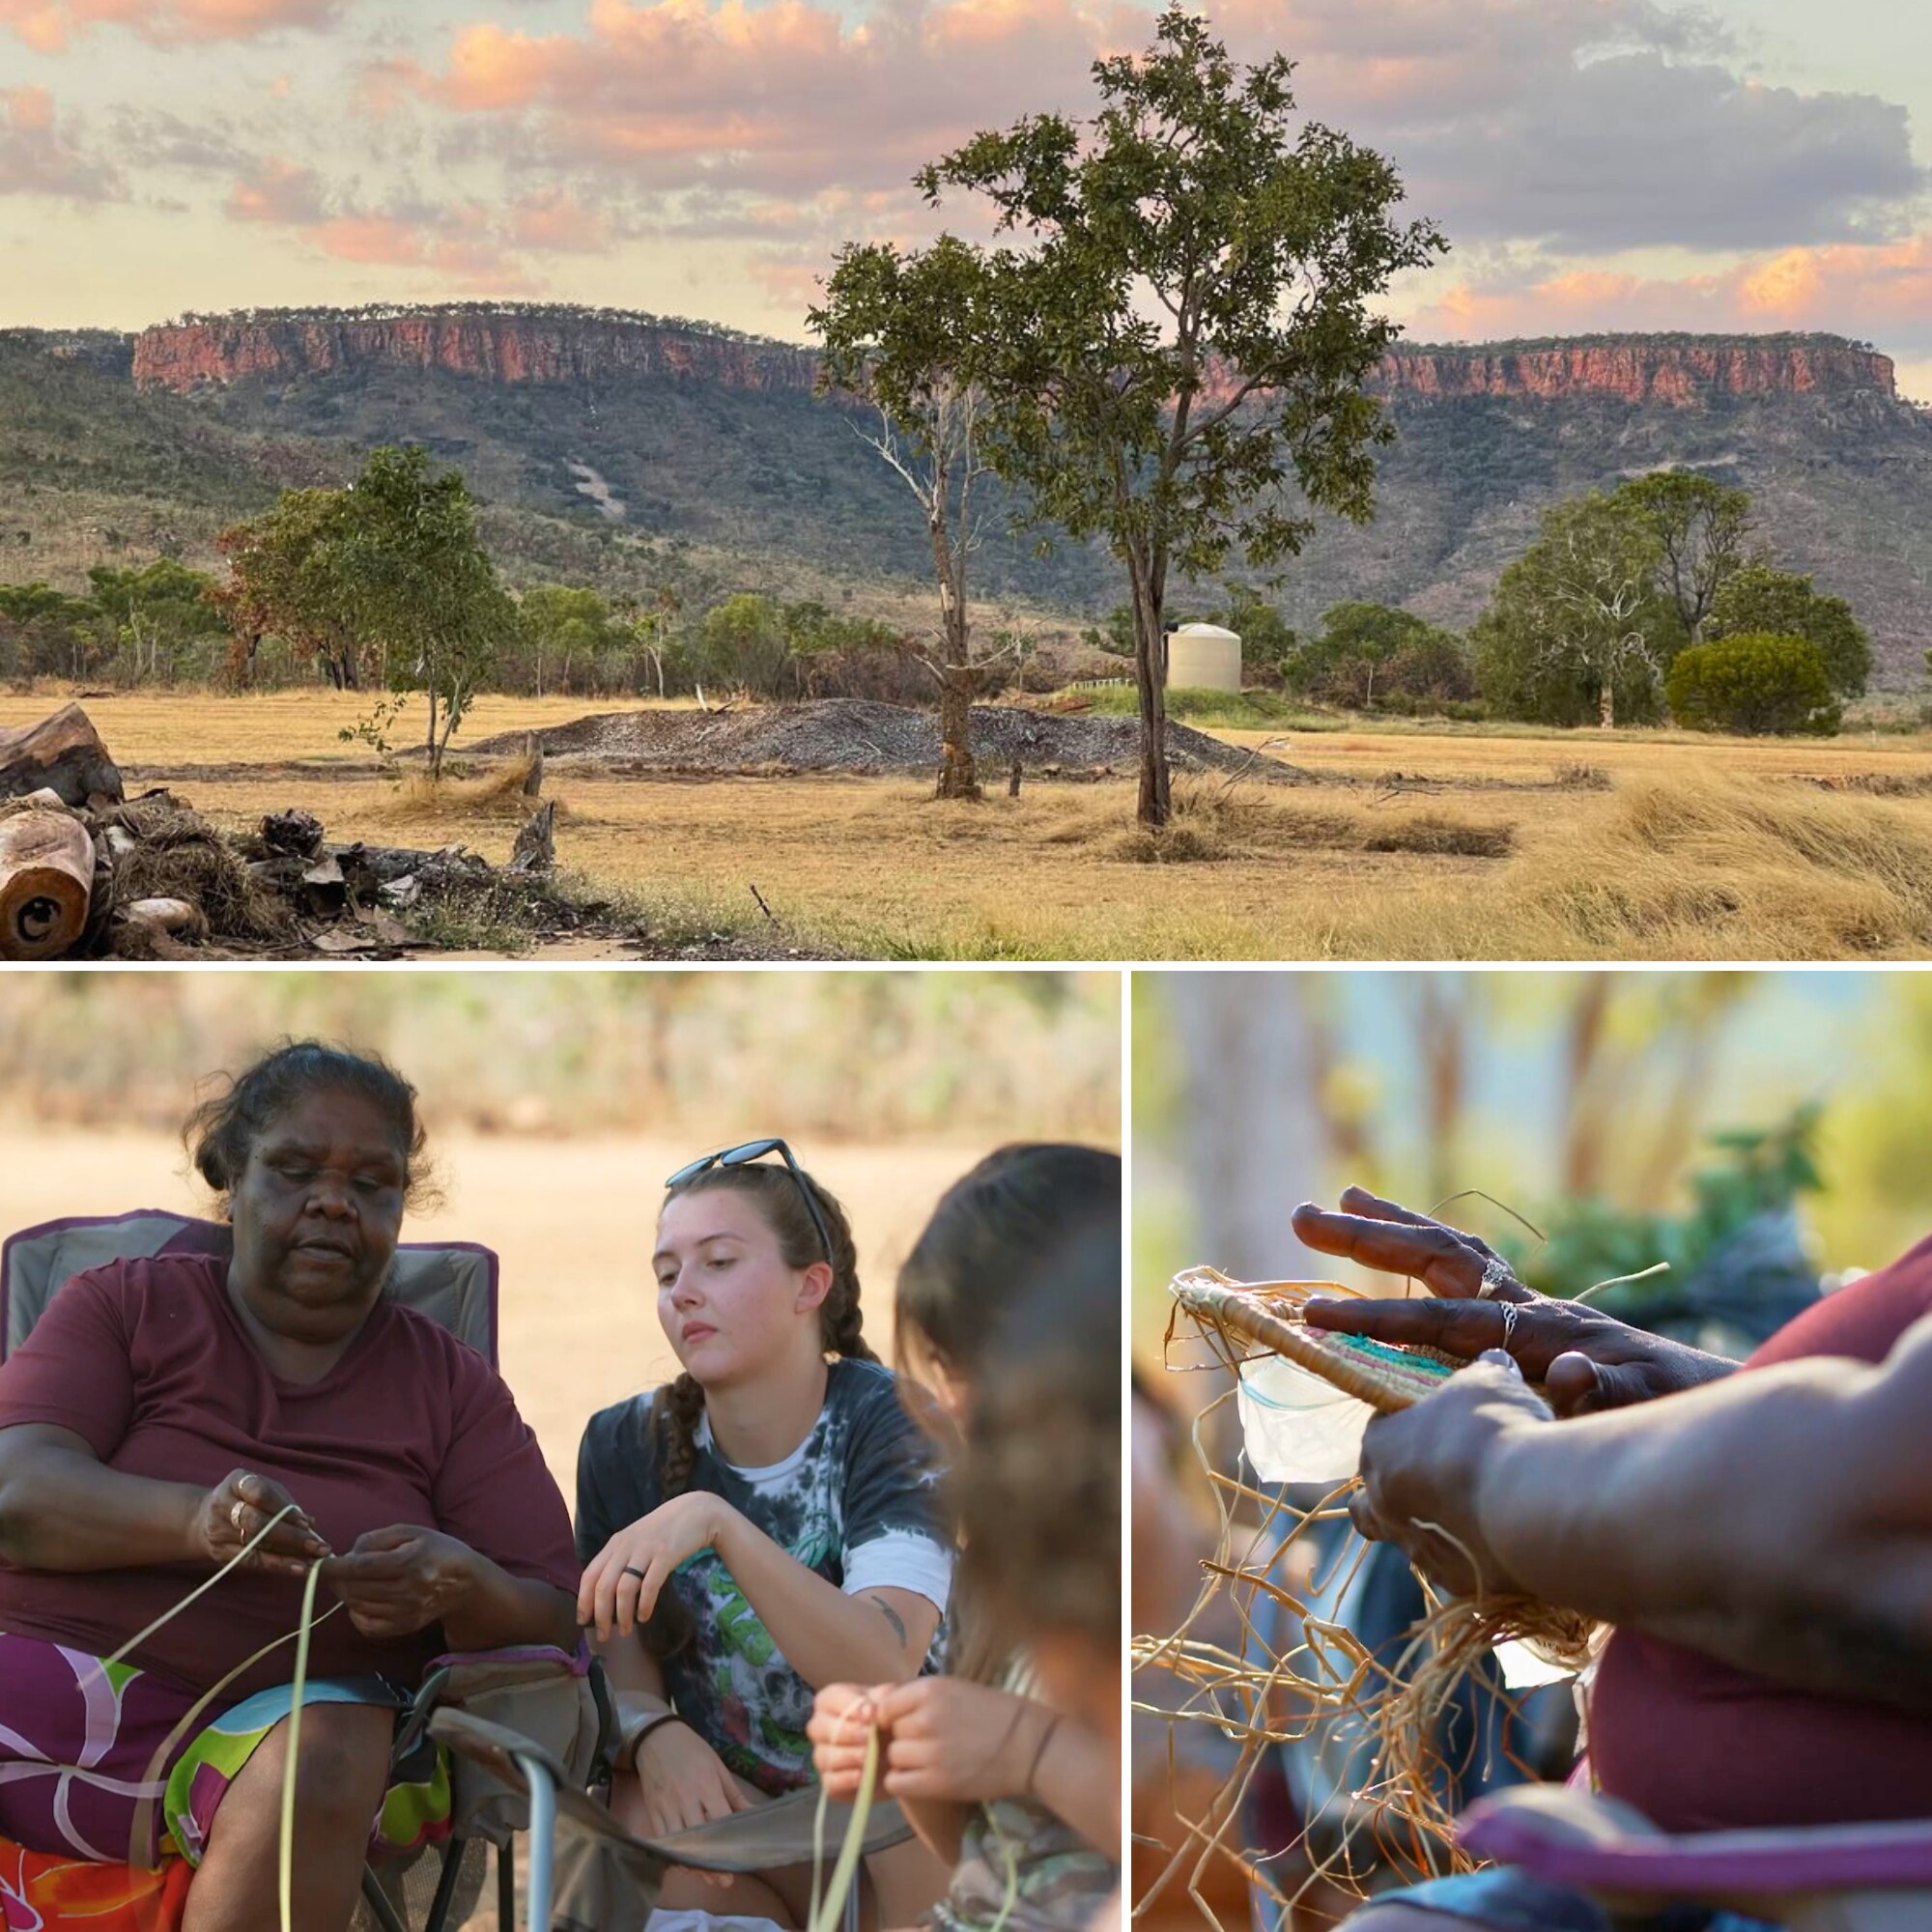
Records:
x=856, y=1501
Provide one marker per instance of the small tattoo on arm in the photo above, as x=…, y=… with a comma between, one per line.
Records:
x=892, y=1617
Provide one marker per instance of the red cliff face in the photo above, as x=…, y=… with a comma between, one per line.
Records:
x=1642, y=370
x=503, y=347
x=512, y=346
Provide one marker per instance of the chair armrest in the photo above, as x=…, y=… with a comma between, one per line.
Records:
x=1597, y=1845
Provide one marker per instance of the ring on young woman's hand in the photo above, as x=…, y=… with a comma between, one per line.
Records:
x=631, y=1569
x=1496, y=1273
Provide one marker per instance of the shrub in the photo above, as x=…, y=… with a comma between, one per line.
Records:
x=1753, y=683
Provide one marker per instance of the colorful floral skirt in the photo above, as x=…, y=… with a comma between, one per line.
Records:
x=97, y=1777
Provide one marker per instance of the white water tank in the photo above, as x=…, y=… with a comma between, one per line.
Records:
x=1203, y=656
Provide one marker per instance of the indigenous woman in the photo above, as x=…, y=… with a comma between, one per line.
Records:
x=166, y=1415
x=1013, y=1788
x=767, y=1524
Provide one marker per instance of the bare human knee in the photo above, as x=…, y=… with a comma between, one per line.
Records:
x=342, y=1762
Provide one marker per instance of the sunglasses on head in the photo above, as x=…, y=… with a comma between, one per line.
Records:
x=743, y=1156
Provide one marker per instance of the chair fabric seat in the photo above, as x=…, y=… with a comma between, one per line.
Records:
x=1575, y=1838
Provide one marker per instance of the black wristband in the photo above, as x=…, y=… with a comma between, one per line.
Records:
x=654, y=1720
x=1038, y=1753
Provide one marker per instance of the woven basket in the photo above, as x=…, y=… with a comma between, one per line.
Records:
x=1385, y=1376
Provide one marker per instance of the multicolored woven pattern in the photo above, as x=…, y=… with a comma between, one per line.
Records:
x=1385, y=1376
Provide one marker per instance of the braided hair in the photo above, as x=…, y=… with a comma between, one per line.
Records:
x=841, y=1321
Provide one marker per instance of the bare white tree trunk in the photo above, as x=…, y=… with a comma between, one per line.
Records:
x=1254, y=1135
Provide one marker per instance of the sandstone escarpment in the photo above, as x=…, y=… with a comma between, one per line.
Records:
x=501, y=346
x=1682, y=371
x=549, y=344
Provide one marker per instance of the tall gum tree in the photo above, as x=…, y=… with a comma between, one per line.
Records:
x=1173, y=348
x=898, y=330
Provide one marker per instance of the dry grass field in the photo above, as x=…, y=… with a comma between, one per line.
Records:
x=570, y=1218
x=1410, y=845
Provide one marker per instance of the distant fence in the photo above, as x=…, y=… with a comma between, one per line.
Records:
x=1100, y=683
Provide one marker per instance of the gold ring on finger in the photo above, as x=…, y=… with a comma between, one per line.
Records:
x=234, y=1514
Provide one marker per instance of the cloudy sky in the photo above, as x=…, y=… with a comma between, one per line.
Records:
x=1744, y=164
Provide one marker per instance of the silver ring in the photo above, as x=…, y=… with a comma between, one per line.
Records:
x=1496, y=1273
x=1509, y=1323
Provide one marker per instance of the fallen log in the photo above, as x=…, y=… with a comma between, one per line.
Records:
x=62, y=753
x=46, y=884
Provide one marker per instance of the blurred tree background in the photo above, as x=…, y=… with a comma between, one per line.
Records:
x=1632, y=1117
x=861, y=1055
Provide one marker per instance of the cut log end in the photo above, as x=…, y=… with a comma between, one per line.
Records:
x=62, y=753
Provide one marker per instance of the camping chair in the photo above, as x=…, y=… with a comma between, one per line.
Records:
x=556, y=1702
x=1829, y=1878
x=589, y=1874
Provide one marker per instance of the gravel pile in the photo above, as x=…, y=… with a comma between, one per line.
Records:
x=849, y=734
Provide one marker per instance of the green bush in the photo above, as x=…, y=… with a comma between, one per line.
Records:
x=1754, y=683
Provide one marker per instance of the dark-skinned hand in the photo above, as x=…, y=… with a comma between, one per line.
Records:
x=1585, y=1361
x=234, y=1511
x=397, y=1581
x=1422, y=1468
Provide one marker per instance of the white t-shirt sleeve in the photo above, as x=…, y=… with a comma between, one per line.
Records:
x=901, y=1559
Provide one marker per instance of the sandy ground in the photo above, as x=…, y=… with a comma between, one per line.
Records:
x=571, y=1220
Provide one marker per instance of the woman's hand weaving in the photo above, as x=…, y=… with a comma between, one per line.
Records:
x=1423, y=1471
x=235, y=1512
x=1586, y=1361
x=399, y=1580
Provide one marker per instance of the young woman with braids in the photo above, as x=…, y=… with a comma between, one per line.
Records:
x=1009, y=1777
x=768, y=1522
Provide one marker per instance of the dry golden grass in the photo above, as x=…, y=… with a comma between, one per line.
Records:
x=494, y=794
x=1492, y=848
x=571, y=1220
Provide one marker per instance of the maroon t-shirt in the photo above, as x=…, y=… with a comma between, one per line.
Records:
x=149, y=1362
x=1697, y=1746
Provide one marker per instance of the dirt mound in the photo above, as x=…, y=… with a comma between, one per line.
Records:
x=851, y=734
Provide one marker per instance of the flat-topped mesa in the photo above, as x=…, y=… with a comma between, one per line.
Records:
x=1684, y=370
x=502, y=344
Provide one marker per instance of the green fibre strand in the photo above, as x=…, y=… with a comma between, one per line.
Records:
x=847, y=1870
x=242, y=1555
x=286, y=1853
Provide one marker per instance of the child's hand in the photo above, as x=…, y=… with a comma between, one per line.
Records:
x=621, y=1583
x=842, y=1717
x=948, y=1738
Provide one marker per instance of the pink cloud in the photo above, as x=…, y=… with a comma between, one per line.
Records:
x=466, y=245
x=49, y=25
x=278, y=191
x=557, y=223
x=1849, y=288
x=39, y=156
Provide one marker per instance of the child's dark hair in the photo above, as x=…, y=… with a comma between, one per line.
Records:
x=1040, y=1493
x=223, y=1130
x=970, y=1267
